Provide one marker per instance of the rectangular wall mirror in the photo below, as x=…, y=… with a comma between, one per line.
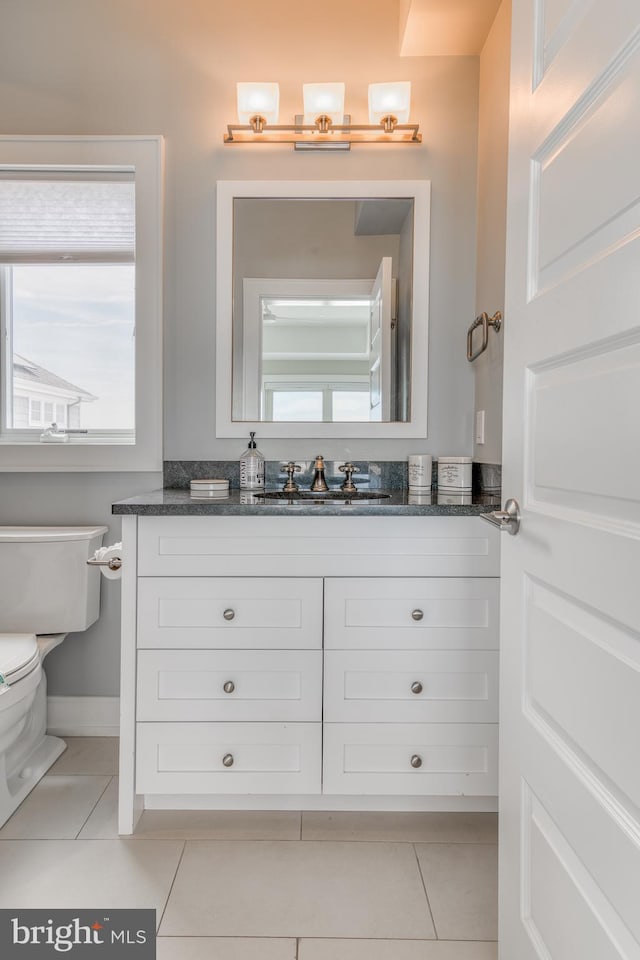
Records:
x=322, y=308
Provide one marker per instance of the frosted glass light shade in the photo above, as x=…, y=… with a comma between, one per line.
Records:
x=389, y=99
x=258, y=99
x=323, y=99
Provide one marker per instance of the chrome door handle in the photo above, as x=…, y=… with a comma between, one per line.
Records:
x=507, y=519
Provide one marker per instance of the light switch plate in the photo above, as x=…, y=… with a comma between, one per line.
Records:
x=479, y=426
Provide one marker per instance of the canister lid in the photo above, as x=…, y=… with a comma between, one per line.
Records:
x=210, y=488
x=455, y=459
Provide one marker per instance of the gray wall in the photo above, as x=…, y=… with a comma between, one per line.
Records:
x=492, y=225
x=170, y=67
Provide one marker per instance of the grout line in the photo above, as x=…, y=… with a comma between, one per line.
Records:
x=258, y=936
x=297, y=947
x=372, y=839
x=166, y=903
x=88, y=817
x=424, y=887
x=301, y=818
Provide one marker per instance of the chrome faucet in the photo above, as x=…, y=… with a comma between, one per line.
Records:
x=319, y=484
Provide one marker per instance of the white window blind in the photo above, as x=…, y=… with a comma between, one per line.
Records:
x=79, y=220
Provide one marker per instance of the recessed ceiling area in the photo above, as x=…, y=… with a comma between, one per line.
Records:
x=445, y=28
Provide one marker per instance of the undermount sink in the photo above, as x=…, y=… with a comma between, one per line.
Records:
x=329, y=496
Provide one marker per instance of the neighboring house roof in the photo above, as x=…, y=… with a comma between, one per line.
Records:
x=30, y=372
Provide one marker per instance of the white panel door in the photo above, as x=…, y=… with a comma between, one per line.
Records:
x=570, y=617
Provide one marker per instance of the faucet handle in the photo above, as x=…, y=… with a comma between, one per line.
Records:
x=290, y=468
x=348, y=469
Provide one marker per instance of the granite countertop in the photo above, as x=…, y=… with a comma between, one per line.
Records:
x=180, y=503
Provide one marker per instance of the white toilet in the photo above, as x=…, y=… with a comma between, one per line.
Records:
x=47, y=590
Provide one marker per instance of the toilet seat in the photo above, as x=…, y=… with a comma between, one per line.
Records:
x=19, y=656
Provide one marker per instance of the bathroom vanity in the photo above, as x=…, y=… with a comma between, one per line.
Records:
x=276, y=659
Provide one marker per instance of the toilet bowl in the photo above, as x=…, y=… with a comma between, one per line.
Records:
x=46, y=591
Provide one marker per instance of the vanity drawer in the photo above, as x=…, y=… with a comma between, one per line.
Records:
x=230, y=612
x=262, y=757
x=411, y=758
x=407, y=686
x=390, y=546
x=452, y=613
x=230, y=685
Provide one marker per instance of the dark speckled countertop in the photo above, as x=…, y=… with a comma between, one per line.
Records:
x=180, y=503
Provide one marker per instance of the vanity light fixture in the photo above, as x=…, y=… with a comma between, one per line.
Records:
x=323, y=125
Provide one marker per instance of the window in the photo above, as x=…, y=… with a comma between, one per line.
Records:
x=80, y=305
x=35, y=413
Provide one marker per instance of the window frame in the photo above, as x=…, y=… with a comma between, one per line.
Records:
x=101, y=450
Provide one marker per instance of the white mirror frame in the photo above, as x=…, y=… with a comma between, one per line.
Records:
x=417, y=190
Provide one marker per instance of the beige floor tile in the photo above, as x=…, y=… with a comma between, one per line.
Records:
x=91, y=755
x=395, y=950
x=192, y=824
x=87, y=873
x=103, y=821
x=56, y=809
x=224, y=948
x=462, y=886
x=271, y=889
x=412, y=827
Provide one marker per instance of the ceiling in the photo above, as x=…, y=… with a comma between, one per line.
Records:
x=445, y=28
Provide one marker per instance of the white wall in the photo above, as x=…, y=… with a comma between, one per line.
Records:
x=170, y=67
x=492, y=225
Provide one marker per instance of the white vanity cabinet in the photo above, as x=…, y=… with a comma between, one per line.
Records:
x=309, y=662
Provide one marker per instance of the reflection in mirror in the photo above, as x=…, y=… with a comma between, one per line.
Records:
x=322, y=309
x=322, y=304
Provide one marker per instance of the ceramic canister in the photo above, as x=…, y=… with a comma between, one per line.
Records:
x=454, y=473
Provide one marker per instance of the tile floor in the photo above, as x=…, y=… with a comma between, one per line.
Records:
x=256, y=886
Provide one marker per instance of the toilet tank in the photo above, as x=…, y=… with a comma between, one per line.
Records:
x=45, y=583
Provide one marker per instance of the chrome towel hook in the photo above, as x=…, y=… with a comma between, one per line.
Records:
x=484, y=321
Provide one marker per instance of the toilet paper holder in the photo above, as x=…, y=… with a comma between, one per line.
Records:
x=114, y=563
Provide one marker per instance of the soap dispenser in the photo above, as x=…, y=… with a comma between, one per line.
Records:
x=252, y=467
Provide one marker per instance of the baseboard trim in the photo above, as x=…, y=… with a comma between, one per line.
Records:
x=83, y=716
x=160, y=801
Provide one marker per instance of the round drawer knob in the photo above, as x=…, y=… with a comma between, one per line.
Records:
x=229, y=686
x=417, y=614
x=229, y=614
x=416, y=761
x=416, y=687
x=227, y=760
